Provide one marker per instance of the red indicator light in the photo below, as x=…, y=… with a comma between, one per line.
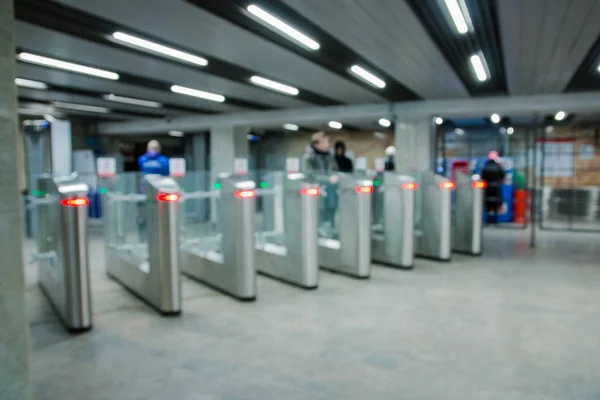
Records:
x=75, y=202
x=364, y=189
x=479, y=184
x=409, y=186
x=310, y=192
x=245, y=194
x=170, y=197
x=448, y=185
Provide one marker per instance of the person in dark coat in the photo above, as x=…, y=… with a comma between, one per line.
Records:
x=493, y=174
x=390, y=155
x=344, y=163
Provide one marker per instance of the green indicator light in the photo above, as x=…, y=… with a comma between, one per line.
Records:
x=102, y=190
x=217, y=186
x=37, y=193
x=263, y=185
x=376, y=183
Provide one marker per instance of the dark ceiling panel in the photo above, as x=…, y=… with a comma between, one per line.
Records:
x=62, y=18
x=333, y=54
x=587, y=76
x=458, y=49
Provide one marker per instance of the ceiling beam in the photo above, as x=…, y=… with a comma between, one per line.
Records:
x=482, y=106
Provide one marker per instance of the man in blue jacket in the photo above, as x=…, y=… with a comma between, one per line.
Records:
x=153, y=162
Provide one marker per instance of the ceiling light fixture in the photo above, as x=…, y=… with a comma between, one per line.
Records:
x=176, y=133
x=560, y=115
x=439, y=120
x=510, y=130
x=67, y=66
x=459, y=131
x=49, y=118
x=335, y=125
x=273, y=85
x=198, y=93
x=367, y=76
x=385, y=122
x=282, y=27
x=159, y=48
x=130, y=100
x=28, y=83
x=291, y=127
x=460, y=15
x=80, y=107
x=495, y=118
x=479, y=66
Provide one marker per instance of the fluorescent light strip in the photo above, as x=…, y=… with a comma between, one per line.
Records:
x=283, y=27
x=367, y=76
x=456, y=12
x=28, y=83
x=176, y=133
x=49, y=118
x=198, y=93
x=291, y=127
x=478, y=67
x=385, y=122
x=560, y=115
x=335, y=125
x=159, y=48
x=130, y=100
x=269, y=84
x=82, y=69
x=80, y=107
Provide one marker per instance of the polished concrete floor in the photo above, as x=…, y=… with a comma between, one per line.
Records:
x=512, y=324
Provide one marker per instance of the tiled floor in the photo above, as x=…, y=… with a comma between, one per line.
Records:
x=512, y=324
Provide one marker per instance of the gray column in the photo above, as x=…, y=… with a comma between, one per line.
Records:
x=226, y=144
x=414, y=143
x=14, y=332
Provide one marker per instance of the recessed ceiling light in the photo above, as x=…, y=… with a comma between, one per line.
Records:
x=385, y=122
x=549, y=129
x=459, y=131
x=439, y=120
x=460, y=15
x=176, y=133
x=198, y=93
x=159, y=48
x=510, y=130
x=130, y=100
x=80, y=107
x=282, y=27
x=28, y=83
x=273, y=85
x=479, y=66
x=367, y=76
x=291, y=127
x=495, y=118
x=560, y=115
x=67, y=66
x=335, y=125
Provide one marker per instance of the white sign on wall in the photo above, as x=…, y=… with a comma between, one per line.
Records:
x=292, y=165
x=106, y=167
x=380, y=164
x=361, y=164
x=558, y=158
x=586, y=152
x=240, y=166
x=177, y=167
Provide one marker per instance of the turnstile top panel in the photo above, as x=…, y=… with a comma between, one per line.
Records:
x=232, y=183
x=163, y=184
x=392, y=178
x=348, y=181
x=66, y=186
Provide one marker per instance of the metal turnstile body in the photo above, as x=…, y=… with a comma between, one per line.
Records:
x=227, y=262
x=63, y=257
x=350, y=252
x=433, y=228
x=152, y=273
x=286, y=249
x=393, y=235
x=467, y=218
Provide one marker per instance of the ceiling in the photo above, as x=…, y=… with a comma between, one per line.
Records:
x=528, y=46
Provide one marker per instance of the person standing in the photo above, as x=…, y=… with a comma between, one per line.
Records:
x=390, y=154
x=152, y=162
x=318, y=158
x=493, y=174
x=344, y=164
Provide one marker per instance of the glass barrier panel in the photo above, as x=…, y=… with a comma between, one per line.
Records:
x=269, y=221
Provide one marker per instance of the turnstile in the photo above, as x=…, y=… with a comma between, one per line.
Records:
x=393, y=237
x=224, y=259
x=144, y=257
x=286, y=246
x=62, y=240
x=345, y=241
x=433, y=227
x=467, y=218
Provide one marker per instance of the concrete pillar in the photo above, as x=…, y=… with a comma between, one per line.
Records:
x=414, y=141
x=226, y=144
x=14, y=331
